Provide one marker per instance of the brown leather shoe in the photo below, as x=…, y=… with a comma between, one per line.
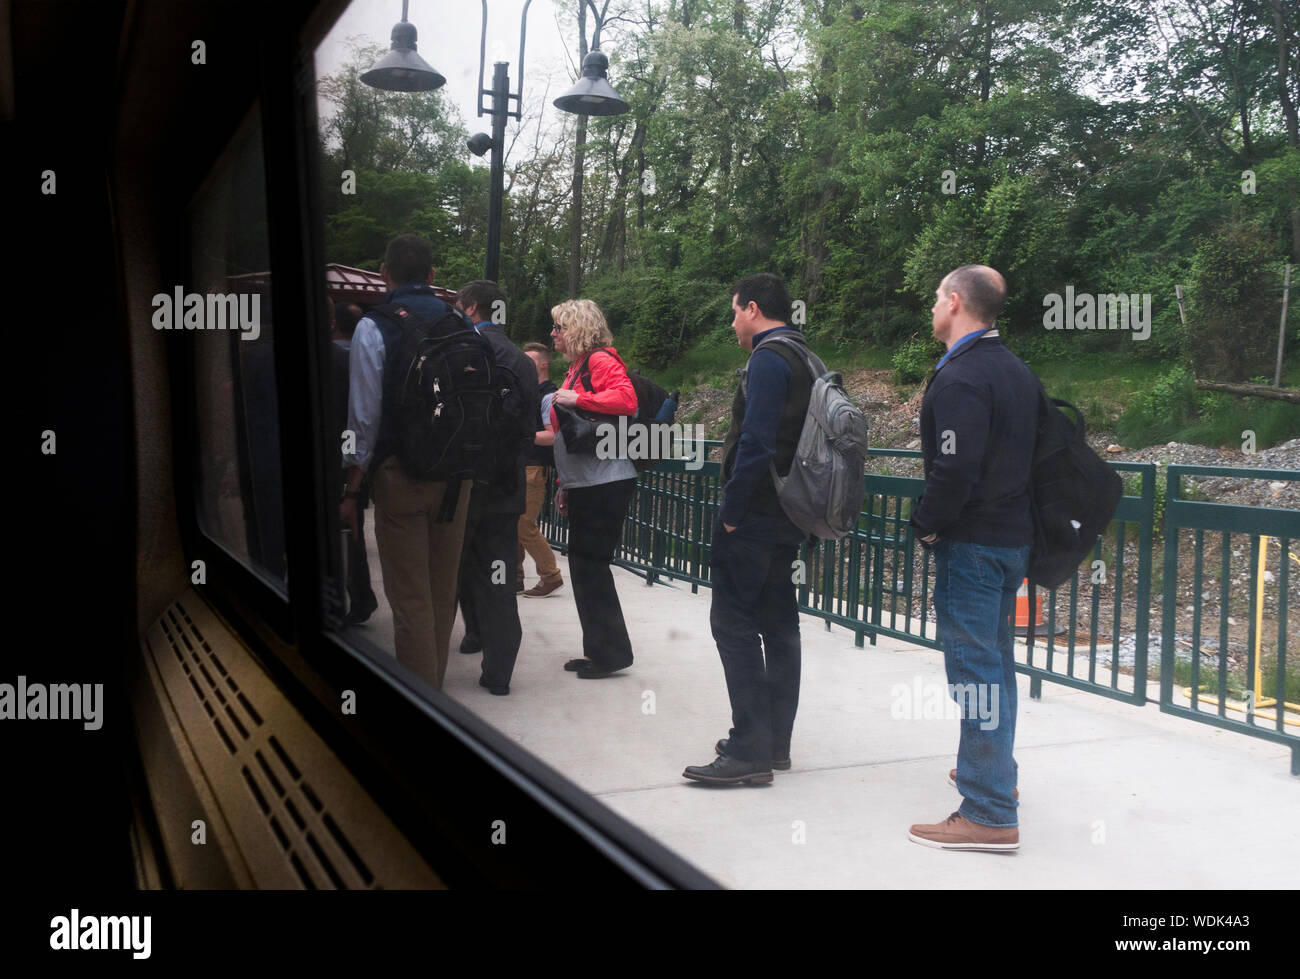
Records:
x=952, y=780
x=959, y=833
x=542, y=588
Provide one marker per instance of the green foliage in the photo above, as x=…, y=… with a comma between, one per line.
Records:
x=655, y=314
x=1161, y=412
x=1226, y=417
x=1172, y=411
x=915, y=358
x=1232, y=334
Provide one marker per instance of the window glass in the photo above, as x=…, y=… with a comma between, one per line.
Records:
x=225, y=312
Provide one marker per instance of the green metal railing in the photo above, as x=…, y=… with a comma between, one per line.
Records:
x=1206, y=684
x=1095, y=629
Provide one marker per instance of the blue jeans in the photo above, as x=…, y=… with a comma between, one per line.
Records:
x=974, y=600
x=752, y=577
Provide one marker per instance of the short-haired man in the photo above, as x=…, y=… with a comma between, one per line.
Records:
x=346, y=318
x=541, y=458
x=755, y=544
x=419, y=554
x=490, y=559
x=979, y=421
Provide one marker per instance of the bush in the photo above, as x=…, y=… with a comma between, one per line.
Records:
x=1160, y=413
x=1232, y=325
x=914, y=359
x=1174, y=411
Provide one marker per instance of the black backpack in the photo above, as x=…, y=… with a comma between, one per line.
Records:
x=450, y=400
x=1074, y=494
x=650, y=398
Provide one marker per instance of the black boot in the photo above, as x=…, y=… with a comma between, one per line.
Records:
x=725, y=770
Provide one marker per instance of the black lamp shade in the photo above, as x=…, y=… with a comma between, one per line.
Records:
x=593, y=95
x=401, y=69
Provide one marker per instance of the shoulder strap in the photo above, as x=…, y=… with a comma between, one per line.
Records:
x=584, y=372
x=400, y=313
x=393, y=312
x=784, y=341
x=785, y=347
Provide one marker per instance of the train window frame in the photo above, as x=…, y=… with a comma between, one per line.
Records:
x=387, y=745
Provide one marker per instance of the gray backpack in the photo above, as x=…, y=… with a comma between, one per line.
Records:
x=823, y=493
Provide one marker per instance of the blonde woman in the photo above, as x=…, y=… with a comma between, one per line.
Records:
x=594, y=492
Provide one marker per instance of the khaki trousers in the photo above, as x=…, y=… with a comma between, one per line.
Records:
x=420, y=559
x=531, y=538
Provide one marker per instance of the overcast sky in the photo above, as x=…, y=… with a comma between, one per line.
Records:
x=449, y=41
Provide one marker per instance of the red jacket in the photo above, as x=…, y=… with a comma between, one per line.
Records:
x=611, y=393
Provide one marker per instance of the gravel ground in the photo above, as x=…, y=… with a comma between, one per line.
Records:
x=894, y=418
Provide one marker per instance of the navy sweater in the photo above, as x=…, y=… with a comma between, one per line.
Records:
x=766, y=388
x=979, y=421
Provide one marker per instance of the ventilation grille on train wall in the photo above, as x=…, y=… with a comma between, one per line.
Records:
x=282, y=792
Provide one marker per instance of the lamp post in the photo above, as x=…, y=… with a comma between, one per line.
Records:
x=480, y=143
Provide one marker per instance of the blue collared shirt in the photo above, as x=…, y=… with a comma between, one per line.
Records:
x=969, y=338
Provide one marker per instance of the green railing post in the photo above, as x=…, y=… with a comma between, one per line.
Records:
x=1142, y=625
x=1169, y=609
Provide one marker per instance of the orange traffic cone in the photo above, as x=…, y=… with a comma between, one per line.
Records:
x=1022, y=612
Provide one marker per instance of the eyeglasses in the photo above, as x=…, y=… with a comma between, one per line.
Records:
x=556, y=327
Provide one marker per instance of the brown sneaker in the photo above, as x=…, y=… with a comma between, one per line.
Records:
x=543, y=588
x=952, y=780
x=959, y=833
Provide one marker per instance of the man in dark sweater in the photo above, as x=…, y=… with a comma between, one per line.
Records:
x=979, y=421
x=489, y=561
x=755, y=544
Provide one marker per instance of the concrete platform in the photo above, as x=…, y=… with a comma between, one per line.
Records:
x=1112, y=796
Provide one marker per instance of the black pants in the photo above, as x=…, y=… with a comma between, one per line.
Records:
x=596, y=516
x=752, y=574
x=360, y=594
x=487, y=591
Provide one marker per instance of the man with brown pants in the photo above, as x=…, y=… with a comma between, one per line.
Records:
x=419, y=539
x=541, y=459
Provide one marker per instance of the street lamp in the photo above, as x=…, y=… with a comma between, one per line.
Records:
x=401, y=69
x=593, y=95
